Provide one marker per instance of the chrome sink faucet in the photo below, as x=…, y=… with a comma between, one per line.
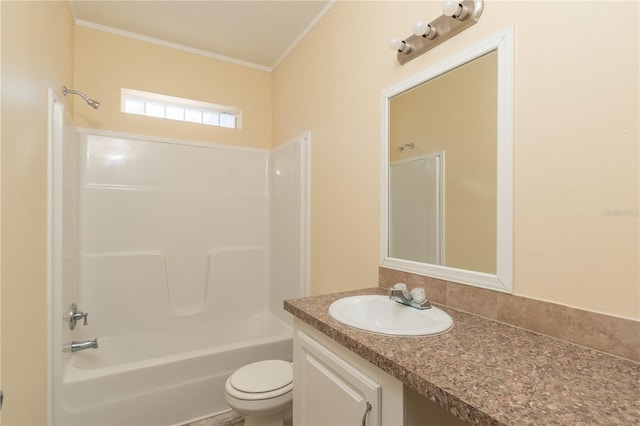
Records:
x=414, y=298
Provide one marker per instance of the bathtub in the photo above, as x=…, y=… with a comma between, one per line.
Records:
x=169, y=377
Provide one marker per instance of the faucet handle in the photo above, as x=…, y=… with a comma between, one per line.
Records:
x=418, y=294
x=399, y=286
x=74, y=315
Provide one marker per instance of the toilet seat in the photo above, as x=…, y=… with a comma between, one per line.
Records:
x=261, y=380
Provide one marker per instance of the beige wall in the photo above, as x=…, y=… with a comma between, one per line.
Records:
x=436, y=116
x=106, y=63
x=576, y=141
x=37, y=53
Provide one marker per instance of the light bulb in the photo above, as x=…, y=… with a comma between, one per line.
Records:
x=422, y=29
x=450, y=7
x=399, y=45
x=395, y=44
x=455, y=8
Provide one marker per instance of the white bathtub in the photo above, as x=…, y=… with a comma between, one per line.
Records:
x=169, y=377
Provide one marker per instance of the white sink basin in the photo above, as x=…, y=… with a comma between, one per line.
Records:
x=379, y=314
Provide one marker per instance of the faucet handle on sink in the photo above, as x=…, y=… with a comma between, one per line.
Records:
x=418, y=294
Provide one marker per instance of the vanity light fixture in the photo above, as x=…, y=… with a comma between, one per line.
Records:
x=457, y=15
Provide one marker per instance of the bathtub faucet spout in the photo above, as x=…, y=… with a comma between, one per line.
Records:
x=87, y=344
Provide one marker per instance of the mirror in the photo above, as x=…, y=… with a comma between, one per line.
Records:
x=447, y=169
x=442, y=210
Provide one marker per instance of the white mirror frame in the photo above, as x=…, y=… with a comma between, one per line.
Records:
x=503, y=279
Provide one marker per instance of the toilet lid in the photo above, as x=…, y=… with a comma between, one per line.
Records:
x=262, y=376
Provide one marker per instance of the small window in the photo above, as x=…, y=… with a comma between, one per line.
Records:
x=172, y=108
x=174, y=112
x=211, y=118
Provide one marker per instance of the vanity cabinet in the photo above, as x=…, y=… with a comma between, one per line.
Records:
x=334, y=386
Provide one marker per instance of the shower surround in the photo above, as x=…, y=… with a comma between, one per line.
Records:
x=181, y=253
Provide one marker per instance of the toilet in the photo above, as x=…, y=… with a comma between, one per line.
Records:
x=262, y=392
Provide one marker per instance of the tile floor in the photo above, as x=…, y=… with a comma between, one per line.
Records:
x=230, y=418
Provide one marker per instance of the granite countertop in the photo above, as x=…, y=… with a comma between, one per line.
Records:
x=490, y=373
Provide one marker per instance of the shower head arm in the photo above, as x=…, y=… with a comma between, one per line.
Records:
x=74, y=92
x=91, y=102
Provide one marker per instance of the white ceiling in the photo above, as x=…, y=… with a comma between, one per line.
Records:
x=255, y=33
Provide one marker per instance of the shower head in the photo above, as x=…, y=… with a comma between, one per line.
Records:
x=93, y=104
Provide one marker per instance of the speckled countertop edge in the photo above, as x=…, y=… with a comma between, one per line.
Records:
x=489, y=373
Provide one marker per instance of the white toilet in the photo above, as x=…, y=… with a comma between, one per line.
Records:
x=262, y=392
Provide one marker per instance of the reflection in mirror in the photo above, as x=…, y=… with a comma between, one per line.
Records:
x=447, y=169
x=453, y=114
x=416, y=193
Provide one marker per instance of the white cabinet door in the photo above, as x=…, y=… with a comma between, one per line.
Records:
x=328, y=391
